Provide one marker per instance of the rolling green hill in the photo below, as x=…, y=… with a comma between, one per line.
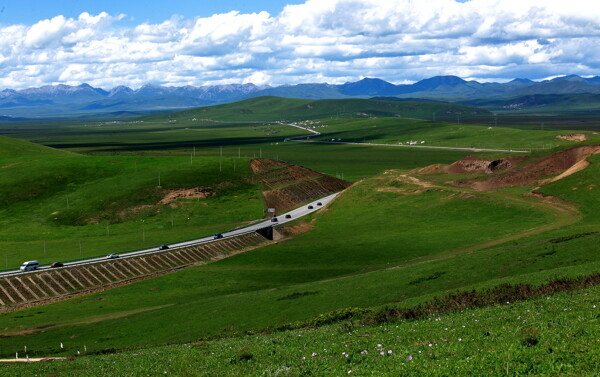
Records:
x=277, y=108
x=57, y=205
x=541, y=103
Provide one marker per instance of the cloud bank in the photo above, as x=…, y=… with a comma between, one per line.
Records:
x=319, y=41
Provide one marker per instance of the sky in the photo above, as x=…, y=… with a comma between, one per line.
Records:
x=274, y=42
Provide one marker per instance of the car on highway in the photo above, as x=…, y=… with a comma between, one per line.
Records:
x=29, y=265
x=274, y=219
x=56, y=264
x=113, y=256
x=217, y=236
x=319, y=203
x=310, y=207
x=163, y=247
x=288, y=216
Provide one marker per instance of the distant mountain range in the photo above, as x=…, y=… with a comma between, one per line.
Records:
x=84, y=99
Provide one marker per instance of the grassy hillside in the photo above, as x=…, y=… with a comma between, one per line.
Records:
x=12, y=149
x=56, y=205
x=541, y=103
x=277, y=108
x=547, y=336
x=388, y=239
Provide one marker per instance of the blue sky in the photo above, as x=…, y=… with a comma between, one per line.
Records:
x=29, y=12
x=267, y=42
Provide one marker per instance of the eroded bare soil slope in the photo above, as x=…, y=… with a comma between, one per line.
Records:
x=549, y=168
x=290, y=186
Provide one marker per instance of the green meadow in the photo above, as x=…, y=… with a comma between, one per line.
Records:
x=393, y=239
x=355, y=256
x=429, y=133
x=547, y=336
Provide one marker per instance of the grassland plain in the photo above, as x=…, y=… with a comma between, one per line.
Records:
x=57, y=205
x=404, y=131
x=372, y=263
x=549, y=336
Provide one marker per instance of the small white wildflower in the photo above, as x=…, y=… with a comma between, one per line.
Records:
x=389, y=352
x=313, y=354
x=460, y=339
x=382, y=353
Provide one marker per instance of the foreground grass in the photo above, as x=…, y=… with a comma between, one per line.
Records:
x=553, y=335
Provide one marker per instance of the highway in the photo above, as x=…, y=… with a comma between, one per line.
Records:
x=281, y=219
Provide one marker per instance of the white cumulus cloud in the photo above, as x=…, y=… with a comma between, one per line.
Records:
x=317, y=41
